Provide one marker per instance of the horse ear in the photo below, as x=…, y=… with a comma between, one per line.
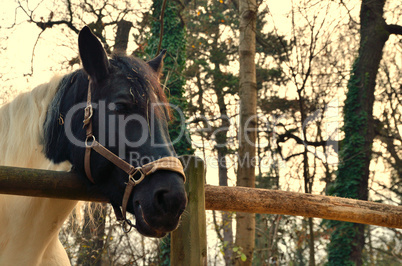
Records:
x=157, y=63
x=93, y=56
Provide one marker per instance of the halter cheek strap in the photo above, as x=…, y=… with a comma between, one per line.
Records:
x=135, y=174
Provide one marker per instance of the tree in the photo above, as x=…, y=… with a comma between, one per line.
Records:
x=347, y=239
x=92, y=237
x=245, y=230
x=174, y=41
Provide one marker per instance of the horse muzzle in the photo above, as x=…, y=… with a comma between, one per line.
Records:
x=157, y=205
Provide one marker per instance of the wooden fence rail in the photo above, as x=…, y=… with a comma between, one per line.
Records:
x=189, y=241
x=241, y=199
x=52, y=184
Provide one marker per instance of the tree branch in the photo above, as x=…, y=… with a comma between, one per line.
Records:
x=161, y=22
x=50, y=24
x=33, y=53
x=394, y=29
x=288, y=135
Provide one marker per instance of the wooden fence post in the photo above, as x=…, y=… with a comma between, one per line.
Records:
x=189, y=241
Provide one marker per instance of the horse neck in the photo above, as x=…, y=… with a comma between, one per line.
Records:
x=27, y=219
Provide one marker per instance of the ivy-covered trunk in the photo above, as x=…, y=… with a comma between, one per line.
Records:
x=347, y=239
x=174, y=41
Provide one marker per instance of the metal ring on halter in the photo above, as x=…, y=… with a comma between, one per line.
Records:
x=126, y=225
x=137, y=181
x=92, y=141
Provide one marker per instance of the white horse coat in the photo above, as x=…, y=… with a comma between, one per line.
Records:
x=29, y=226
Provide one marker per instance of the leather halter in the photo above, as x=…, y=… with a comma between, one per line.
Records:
x=166, y=163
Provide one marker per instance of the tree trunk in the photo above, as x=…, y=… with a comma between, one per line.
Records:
x=308, y=180
x=226, y=224
x=347, y=240
x=122, y=35
x=221, y=141
x=93, y=230
x=245, y=230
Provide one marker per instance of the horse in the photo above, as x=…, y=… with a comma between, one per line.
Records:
x=107, y=122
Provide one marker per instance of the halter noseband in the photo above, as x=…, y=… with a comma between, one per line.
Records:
x=166, y=163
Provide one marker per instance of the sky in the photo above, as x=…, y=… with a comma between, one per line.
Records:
x=50, y=50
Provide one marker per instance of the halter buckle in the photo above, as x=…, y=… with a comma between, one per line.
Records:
x=139, y=180
x=88, y=112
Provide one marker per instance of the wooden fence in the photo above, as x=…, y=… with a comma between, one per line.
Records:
x=189, y=241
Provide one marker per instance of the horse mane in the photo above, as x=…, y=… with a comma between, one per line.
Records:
x=21, y=127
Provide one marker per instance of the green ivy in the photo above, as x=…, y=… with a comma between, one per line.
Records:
x=350, y=171
x=174, y=41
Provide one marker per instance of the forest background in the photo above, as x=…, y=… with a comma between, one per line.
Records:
x=308, y=59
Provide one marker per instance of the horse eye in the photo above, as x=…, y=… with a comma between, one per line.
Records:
x=123, y=108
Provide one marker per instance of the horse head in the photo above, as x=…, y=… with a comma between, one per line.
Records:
x=128, y=118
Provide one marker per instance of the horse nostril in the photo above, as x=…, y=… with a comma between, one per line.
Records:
x=169, y=202
x=161, y=200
